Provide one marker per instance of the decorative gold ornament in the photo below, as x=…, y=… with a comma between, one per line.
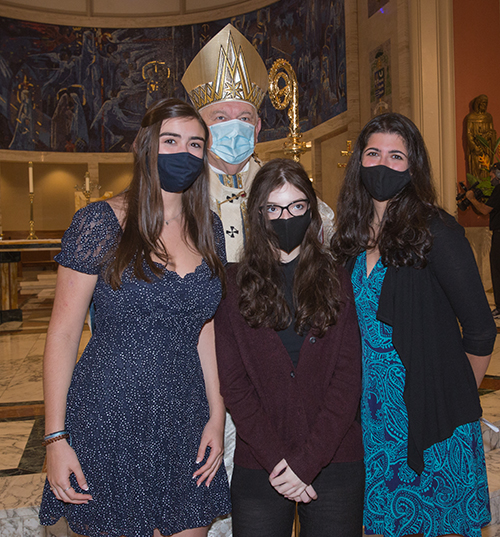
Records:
x=227, y=68
x=346, y=153
x=288, y=95
x=151, y=73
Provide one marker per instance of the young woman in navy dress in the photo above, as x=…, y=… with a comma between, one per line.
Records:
x=134, y=430
x=414, y=275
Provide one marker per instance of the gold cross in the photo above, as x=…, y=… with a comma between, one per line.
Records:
x=346, y=153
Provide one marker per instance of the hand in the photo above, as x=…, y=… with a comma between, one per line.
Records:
x=212, y=437
x=61, y=463
x=286, y=482
x=308, y=495
x=470, y=195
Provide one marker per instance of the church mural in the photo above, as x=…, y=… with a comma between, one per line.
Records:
x=86, y=89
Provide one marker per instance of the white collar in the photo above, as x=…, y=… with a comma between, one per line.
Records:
x=220, y=172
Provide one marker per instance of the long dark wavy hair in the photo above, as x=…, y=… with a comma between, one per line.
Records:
x=404, y=238
x=316, y=288
x=144, y=205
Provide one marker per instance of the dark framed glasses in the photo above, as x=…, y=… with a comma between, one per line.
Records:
x=296, y=208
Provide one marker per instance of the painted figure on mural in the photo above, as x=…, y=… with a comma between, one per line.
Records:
x=479, y=122
x=24, y=131
x=68, y=130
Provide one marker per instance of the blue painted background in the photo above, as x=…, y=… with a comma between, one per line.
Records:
x=66, y=88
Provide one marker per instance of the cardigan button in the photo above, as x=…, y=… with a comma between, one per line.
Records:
x=292, y=374
x=312, y=339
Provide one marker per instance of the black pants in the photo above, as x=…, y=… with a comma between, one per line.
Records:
x=260, y=511
x=495, y=265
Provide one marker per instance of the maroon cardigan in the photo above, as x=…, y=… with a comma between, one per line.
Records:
x=304, y=415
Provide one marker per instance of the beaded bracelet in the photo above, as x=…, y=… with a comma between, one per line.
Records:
x=51, y=435
x=54, y=437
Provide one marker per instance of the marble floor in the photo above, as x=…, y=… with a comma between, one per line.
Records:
x=22, y=411
x=22, y=415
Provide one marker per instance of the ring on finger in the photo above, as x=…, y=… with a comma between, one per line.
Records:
x=67, y=488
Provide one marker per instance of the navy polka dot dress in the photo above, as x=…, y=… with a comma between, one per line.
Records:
x=137, y=406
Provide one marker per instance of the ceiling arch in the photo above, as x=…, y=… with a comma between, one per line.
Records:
x=126, y=13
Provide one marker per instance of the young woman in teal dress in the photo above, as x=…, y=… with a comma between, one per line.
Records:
x=414, y=275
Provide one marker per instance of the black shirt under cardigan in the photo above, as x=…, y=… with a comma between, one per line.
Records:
x=291, y=340
x=422, y=306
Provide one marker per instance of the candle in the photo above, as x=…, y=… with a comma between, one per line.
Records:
x=87, y=182
x=30, y=176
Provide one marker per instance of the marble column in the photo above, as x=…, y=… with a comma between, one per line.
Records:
x=433, y=90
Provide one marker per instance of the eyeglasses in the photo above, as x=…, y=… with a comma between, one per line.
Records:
x=296, y=208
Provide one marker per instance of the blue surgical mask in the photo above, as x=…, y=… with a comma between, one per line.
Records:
x=178, y=171
x=233, y=141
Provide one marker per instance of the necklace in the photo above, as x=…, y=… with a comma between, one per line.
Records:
x=171, y=219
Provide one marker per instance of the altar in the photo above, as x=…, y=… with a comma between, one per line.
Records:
x=10, y=256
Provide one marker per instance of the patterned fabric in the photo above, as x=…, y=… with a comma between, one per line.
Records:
x=228, y=198
x=233, y=181
x=451, y=494
x=137, y=406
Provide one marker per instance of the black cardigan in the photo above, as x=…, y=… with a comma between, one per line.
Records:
x=422, y=306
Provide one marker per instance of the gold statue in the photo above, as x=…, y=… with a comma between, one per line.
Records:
x=480, y=123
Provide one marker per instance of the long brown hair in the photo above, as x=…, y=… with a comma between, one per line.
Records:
x=316, y=284
x=144, y=205
x=404, y=238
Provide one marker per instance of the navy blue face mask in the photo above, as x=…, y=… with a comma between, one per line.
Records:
x=178, y=171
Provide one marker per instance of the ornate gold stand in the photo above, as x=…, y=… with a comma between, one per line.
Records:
x=346, y=153
x=87, y=187
x=86, y=193
x=281, y=98
x=32, y=235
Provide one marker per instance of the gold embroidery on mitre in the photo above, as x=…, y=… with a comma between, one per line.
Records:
x=240, y=73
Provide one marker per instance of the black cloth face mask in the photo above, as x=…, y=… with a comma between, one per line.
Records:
x=383, y=183
x=291, y=231
x=178, y=171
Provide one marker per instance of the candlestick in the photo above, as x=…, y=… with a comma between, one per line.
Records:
x=30, y=177
x=87, y=187
x=86, y=193
x=32, y=235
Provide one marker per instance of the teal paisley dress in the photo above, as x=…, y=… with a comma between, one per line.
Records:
x=451, y=494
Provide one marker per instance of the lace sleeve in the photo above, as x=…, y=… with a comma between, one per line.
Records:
x=92, y=233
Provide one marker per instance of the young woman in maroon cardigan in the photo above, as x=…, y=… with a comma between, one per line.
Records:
x=288, y=353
